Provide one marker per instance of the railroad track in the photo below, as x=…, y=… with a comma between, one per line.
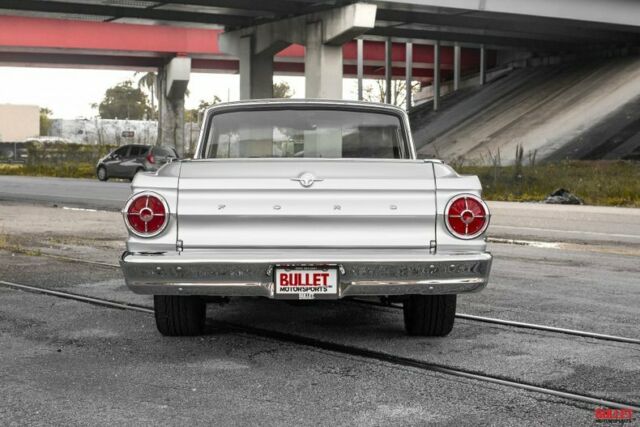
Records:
x=523, y=325
x=471, y=317
x=348, y=350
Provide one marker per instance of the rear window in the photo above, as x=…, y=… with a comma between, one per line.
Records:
x=308, y=133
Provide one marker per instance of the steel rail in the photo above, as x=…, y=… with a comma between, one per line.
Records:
x=350, y=350
x=76, y=297
x=524, y=325
x=534, y=326
x=472, y=317
x=81, y=261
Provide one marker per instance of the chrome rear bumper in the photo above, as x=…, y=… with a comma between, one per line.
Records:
x=249, y=272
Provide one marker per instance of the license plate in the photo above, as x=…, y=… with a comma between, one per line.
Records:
x=306, y=283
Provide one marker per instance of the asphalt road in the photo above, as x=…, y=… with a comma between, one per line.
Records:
x=533, y=221
x=85, y=193
x=72, y=363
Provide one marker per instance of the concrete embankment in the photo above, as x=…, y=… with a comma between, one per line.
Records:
x=581, y=110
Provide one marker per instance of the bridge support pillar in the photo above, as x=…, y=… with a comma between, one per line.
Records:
x=360, y=68
x=256, y=71
x=456, y=66
x=322, y=33
x=322, y=65
x=408, y=75
x=436, y=76
x=173, y=79
x=388, y=69
x=483, y=65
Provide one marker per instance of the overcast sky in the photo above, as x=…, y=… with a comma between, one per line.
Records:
x=70, y=92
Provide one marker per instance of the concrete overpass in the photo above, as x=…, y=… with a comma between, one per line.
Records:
x=29, y=41
x=505, y=22
x=261, y=38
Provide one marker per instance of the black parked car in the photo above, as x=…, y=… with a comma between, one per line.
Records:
x=128, y=160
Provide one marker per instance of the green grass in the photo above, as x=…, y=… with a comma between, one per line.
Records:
x=606, y=183
x=65, y=170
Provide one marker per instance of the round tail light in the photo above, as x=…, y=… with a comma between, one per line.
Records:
x=466, y=216
x=146, y=214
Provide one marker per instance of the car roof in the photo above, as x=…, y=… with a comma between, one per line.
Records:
x=269, y=102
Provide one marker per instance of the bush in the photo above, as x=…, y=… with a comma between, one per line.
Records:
x=65, y=170
x=58, y=154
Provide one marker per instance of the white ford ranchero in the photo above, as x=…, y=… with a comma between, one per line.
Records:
x=306, y=200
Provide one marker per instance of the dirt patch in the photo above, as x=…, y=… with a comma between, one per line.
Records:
x=34, y=230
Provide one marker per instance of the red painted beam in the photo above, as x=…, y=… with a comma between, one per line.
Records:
x=69, y=35
x=18, y=31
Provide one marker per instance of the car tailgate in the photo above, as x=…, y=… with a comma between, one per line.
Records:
x=261, y=203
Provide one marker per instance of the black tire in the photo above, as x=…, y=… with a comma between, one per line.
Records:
x=179, y=316
x=102, y=173
x=429, y=315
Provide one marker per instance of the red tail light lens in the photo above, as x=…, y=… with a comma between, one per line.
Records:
x=150, y=158
x=467, y=216
x=146, y=214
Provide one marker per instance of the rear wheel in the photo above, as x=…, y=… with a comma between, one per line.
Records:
x=429, y=315
x=102, y=173
x=178, y=316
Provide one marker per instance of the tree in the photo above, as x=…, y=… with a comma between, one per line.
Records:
x=149, y=81
x=282, y=90
x=124, y=101
x=45, y=121
x=195, y=114
x=376, y=92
